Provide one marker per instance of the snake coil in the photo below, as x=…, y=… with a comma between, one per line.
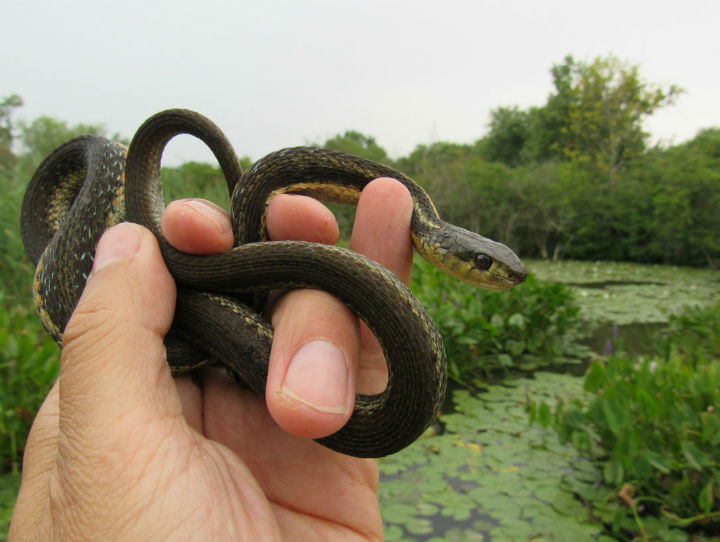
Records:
x=89, y=184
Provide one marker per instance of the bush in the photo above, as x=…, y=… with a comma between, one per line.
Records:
x=532, y=325
x=16, y=269
x=656, y=426
x=693, y=333
x=29, y=364
x=653, y=426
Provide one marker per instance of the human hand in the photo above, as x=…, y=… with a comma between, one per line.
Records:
x=120, y=449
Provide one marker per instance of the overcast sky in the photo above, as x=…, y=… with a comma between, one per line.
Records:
x=280, y=73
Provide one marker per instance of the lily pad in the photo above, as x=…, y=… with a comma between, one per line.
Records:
x=486, y=470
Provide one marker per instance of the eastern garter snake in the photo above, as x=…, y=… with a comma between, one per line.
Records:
x=89, y=184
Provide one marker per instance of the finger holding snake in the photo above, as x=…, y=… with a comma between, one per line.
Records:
x=318, y=354
x=122, y=463
x=303, y=317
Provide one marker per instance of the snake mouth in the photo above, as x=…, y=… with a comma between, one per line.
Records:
x=514, y=276
x=505, y=282
x=498, y=277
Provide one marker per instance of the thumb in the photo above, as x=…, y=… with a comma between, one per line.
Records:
x=113, y=377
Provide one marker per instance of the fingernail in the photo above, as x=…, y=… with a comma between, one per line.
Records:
x=317, y=377
x=118, y=243
x=210, y=212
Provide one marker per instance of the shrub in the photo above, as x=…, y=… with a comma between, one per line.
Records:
x=653, y=426
x=16, y=269
x=29, y=364
x=532, y=325
x=693, y=333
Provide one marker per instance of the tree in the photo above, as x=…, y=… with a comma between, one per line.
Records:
x=467, y=190
x=195, y=180
x=353, y=142
x=44, y=134
x=686, y=200
x=359, y=144
x=441, y=169
x=7, y=157
x=607, y=102
x=509, y=133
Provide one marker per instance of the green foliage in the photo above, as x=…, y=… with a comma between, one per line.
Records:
x=573, y=178
x=29, y=364
x=7, y=156
x=353, y=142
x=9, y=487
x=654, y=426
x=607, y=102
x=16, y=270
x=508, y=136
x=43, y=135
x=195, y=180
x=693, y=334
x=681, y=188
x=527, y=327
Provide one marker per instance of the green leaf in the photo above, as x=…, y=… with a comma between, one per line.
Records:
x=596, y=376
x=398, y=512
x=497, y=321
x=694, y=456
x=705, y=498
x=648, y=403
x=504, y=360
x=544, y=415
x=659, y=461
x=515, y=347
x=613, y=472
x=517, y=320
x=612, y=414
x=419, y=526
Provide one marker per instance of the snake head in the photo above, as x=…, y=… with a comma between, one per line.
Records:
x=473, y=258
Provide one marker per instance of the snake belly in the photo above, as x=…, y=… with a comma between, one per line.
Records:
x=90, y=184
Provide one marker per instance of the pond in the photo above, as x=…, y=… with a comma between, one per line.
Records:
x=490, y=475
x=484, y=473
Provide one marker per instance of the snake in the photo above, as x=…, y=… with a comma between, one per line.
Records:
x=91, y=183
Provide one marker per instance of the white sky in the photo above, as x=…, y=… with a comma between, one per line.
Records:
x=279, y=73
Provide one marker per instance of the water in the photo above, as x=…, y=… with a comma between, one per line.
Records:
x=632, y=339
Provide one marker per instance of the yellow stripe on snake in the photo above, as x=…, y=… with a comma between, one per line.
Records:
x=89, y=184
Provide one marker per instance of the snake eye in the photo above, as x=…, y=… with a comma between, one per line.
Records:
x=482, y=261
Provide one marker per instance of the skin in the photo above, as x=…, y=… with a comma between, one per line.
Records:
x=121, y=449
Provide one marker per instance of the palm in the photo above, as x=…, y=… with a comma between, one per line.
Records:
x=303, y=489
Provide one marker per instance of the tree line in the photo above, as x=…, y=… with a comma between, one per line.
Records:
x=576, y=177
x=573, y=178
